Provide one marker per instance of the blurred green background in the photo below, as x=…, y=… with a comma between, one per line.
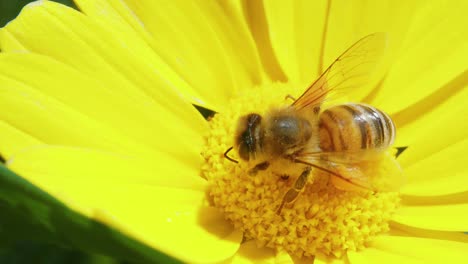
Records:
x=9, y=9
x=34, y=251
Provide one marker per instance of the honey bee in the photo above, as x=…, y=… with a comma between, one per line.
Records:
x=338, y=140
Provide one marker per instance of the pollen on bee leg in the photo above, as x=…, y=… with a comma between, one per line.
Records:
x=322, y=220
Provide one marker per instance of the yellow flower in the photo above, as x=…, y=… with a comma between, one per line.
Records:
x=97, y=111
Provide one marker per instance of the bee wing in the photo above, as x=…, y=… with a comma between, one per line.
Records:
x=354, y=68
x=344, y=156
x=349, y=172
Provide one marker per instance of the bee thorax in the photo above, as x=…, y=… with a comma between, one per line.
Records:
x=287, y=132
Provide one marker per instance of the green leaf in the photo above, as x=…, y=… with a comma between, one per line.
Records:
x=29, y=213
x=26, y=252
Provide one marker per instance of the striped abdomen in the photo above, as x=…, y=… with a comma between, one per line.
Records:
x=353, y=127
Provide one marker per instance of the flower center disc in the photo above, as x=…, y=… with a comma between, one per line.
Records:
x=323, y=219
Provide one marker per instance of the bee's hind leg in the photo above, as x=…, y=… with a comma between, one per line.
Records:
x=259, y=167
x=292, y=194
x=289, y=97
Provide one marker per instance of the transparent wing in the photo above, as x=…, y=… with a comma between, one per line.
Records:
x=354, y=68
x=345, y=156
x=379, y=173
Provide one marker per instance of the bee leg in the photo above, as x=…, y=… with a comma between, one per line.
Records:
x=259, y=167
x=292, y=194
x=290, y=97
x=283, y=177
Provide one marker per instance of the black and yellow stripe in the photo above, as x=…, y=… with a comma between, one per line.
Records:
x=354, y=127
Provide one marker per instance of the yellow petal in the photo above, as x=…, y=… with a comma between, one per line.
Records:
x=373, y=255
x=398, y=229
x=432, y=125
x=59, y=168
x=446, y=217
x=207, y=44
x=396, y=249
x=320, y=259
x=284, y=258
x=296, y=32
x=349, y=21
x=162, y=217
x=124, y=61
x=52, y=122
x=9, y=42
x=12, y=140
x=254, y=12
x=444, y=172
x=250, y=253
x=433, y=54
x=65, y=96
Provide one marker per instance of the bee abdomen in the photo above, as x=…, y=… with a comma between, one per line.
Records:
x=355, y=127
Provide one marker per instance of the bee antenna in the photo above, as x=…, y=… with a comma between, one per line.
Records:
x=229, y=158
